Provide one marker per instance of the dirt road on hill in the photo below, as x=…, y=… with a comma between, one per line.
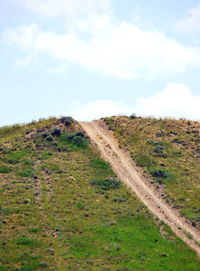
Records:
x=127, y=171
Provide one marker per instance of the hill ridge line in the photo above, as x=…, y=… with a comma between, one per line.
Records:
x=127, y=171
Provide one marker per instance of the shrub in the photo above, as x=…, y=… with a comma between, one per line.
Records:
x=151, y=142
x=178, y=141
x=159, y=173
x=106, y=184
x=76, y=140
x=56, y=132
x=143, y=160
x=49, y=138
x=161, y=134
x=80, y=134
x=55, y=143
x=67, y=121
x=159, y=149
x=133, y=116
x=45, y=134
x=43, y=264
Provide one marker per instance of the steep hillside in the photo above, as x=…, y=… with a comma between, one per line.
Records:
x=169, y=153
x=62, y=208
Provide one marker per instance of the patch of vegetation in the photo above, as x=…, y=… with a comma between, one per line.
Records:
x=75, y=140
x=99, y=163
x=159, y=173
x=29, y=163
x=56, y=131
x=143, y=160
x=45, y=155
x=7, y=210
x=34, y=230
x=5, y=169
x=67, y=121
x=16, y=156
x=133, y=116
x=25, y=173
x=26, y=241
x=106, y=184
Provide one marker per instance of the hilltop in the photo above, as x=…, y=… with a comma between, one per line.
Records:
x=63, y=207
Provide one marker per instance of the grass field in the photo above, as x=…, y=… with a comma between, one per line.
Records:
x=169, y=153
x=62, y=208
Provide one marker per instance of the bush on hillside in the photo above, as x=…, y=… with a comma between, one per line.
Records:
x=106, y=184
x=67, y=121
x=56, y=131
x=133, y=116
x=49, y=138
x=143, y=160
x=76, y=139
x=159, y=173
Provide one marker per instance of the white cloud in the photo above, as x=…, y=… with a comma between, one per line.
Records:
x=119, y=49
x=60, y=70
x=26, y=61
x=100, y=108
x=176, y=101
x=191, y=22
x=66, y=7
x=23, y=37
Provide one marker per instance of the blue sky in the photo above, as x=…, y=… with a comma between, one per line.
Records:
x=92, y=58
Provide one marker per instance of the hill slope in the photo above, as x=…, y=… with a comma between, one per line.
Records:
x=169, y=153
x=62, y=208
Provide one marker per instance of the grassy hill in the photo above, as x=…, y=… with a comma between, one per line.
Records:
x=62, y=208
x=169, y=152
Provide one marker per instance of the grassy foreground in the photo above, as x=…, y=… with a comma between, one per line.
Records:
x=62, y=208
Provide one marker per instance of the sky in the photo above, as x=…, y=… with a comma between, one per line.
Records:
x=95, y=58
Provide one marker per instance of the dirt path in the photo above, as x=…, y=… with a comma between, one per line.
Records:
x=126, y=170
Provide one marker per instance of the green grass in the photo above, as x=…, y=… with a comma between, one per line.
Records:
x=26, y=241
x=25, y=173
x=34, y=230
x=99, y=163
x=45, y=155
x=15, y=157
x=5, y=169
x=73, y=214
x=168, y=146
x=106, y=184
x=74, y=140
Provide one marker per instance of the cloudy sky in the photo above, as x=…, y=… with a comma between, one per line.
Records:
x=94, y=58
